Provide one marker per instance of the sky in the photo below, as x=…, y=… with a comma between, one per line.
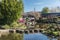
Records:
x=29, y=5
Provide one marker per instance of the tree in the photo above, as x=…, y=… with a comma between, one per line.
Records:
x=10, y=10
x=45, y=10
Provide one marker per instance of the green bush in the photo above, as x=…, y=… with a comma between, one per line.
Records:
x=17, y=25
x=6, y=26
x=14, y=25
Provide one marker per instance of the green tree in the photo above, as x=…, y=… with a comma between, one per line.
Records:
x=10, y=10
x=45, y=10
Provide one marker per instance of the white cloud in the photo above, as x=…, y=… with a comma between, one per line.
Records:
x=53, y=5
x=56, y=4
x=39, y=3
x=57, y=0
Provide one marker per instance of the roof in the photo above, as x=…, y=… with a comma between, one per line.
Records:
x=46, y=14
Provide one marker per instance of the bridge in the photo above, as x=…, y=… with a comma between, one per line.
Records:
x=26, y=31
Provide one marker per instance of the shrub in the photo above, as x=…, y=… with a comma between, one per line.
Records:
x=6, y=26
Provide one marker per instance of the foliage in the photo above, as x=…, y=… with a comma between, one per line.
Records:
x=10, y=11
x=45, y=10
x=6, y=26
x=14, y=25
x=50, y=29
x=12, y=36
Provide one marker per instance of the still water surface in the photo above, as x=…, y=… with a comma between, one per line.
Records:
x=36, y=36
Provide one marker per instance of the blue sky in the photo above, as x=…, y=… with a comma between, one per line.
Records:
x=29, y=5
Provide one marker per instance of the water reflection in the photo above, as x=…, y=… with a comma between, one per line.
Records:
x=36, y=36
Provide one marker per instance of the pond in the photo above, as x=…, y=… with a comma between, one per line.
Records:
x=36, y=36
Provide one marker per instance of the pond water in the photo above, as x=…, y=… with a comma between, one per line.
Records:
x=36, y=36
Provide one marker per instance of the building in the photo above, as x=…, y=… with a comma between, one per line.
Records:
x=46, y=18
x=51, y=17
